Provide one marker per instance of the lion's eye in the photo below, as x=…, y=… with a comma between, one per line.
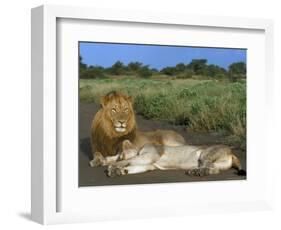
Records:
x=126, y=110
x=113, y=110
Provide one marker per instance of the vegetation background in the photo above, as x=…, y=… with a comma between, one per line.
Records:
x=196, y=95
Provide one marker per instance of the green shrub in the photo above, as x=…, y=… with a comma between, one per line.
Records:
x=156, y=106
x=91, y=73
x=144, y=72
x=186, y=74
x=117, y=68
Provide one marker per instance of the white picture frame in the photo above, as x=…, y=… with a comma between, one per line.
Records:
x=47, y=182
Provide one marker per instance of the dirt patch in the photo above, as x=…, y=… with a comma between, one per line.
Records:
x=95, y=176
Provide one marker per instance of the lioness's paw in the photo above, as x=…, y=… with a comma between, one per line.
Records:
x=113, y=171
x=198, y=172
x=190, y=172
x=96, y=162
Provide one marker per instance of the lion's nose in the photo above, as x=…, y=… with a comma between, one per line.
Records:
x=122, y=123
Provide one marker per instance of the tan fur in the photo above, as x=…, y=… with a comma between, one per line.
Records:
x=106, y=140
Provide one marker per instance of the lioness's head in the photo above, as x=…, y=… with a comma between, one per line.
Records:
x=128, y=150
x=118, y=111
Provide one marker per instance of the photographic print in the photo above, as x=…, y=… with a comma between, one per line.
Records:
x=161, y=113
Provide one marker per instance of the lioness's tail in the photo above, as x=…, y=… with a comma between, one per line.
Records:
x=237, y=165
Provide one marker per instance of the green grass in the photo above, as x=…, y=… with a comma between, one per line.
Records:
x=200, y=105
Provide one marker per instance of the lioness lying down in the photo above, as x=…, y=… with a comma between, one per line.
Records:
x=196, y=160
x=163, y=137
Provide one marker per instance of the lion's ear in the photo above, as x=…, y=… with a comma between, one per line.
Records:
x=106, y=98
x=127, y=145
x=103, y=101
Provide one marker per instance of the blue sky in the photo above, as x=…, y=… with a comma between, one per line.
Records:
x=106, y=54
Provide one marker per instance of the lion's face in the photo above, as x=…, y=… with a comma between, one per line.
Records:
x=119, y=112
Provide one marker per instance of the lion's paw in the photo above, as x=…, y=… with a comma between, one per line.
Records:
x=98, y=160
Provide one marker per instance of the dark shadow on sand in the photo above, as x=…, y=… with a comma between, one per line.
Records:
x=85, y=147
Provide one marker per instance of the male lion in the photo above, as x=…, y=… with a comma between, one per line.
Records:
x=114, y=123
x=196, y=160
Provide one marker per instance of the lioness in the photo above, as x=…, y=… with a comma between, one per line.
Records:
x=196, y=160
x=115, y=122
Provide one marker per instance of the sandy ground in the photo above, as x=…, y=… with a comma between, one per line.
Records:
x=95, y=176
